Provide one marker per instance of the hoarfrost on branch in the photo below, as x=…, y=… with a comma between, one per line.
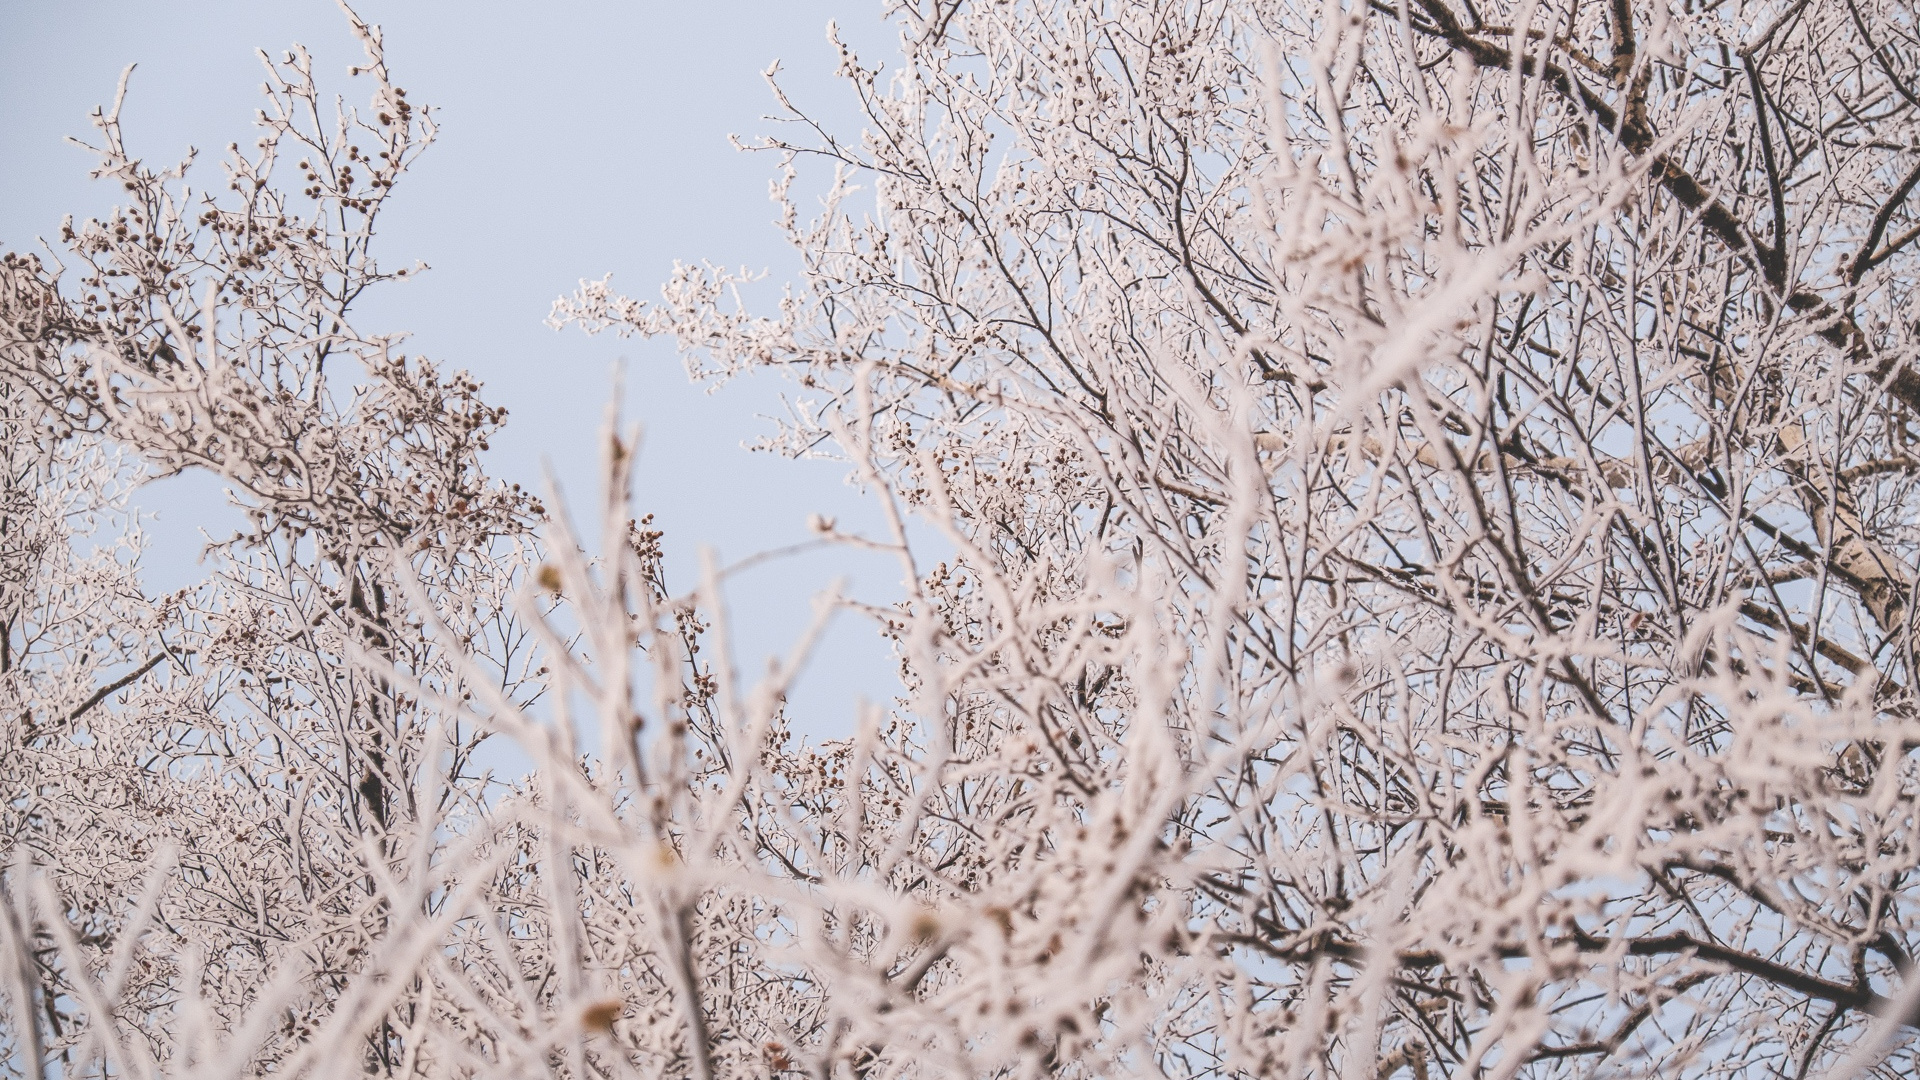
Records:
x=1431, y=493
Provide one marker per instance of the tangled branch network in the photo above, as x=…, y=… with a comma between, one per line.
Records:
x=1433, y=494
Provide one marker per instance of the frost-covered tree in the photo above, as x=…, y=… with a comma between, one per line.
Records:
x=218, y=751
x=1429, y=500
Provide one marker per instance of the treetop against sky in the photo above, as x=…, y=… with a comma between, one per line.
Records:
x=1404, y=521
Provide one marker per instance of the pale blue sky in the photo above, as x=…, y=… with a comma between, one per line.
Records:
x=576, y=139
